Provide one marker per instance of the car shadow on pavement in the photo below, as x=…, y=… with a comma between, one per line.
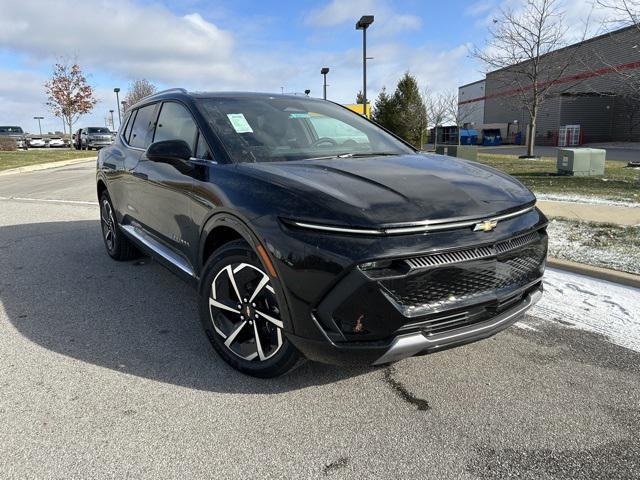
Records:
x=60, y=289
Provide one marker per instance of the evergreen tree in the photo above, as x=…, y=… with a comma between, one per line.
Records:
x=410, y=116
x=384, y=111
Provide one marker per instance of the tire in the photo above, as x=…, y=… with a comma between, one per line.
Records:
x=241, y=315
x=118, y=246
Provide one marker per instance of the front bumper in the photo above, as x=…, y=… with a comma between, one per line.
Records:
x=439, y=300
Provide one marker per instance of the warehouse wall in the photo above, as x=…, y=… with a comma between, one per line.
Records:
x=588, y=60
x=471, y=112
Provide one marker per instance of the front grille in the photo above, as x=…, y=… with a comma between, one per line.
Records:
x=471, y=253
x=449, y=280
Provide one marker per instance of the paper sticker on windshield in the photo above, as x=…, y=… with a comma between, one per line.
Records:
x=298, y=115
x=239, y=123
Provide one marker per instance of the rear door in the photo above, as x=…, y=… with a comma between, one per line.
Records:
x=137, y=138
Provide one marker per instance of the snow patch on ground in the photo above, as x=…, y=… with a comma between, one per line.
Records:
x=608, y=247
x=557, y=197
x=586, y=303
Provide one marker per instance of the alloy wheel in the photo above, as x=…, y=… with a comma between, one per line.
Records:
x=108, y=224
x=245, y=313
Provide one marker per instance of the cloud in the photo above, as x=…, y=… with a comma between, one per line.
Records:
x=125, y=38
x=338, y=12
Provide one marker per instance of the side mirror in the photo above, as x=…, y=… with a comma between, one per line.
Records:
x=169, y=151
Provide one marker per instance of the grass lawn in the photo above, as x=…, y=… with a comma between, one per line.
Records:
x=618, y=183
x=23, y=158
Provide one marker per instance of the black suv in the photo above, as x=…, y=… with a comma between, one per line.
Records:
x=312, y=232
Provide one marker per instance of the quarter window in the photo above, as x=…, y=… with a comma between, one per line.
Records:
x=142, y=126
x=175, y=123
x=202, y=149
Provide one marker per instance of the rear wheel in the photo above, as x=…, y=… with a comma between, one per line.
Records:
x=241, y=314
x=118, y=246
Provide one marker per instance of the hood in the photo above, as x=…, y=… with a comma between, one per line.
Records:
x=398, y=189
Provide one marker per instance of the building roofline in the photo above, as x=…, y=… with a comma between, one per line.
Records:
x=573, y=45
x=472, y=83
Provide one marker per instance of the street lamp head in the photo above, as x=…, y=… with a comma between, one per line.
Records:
x=116, y=90
x=307, y=92
x=111, y=111
x=324, y=70
x=364, y=22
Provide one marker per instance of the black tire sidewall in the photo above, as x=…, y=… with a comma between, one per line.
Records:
x=284, y=360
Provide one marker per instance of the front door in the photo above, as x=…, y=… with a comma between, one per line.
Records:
x=164, y=198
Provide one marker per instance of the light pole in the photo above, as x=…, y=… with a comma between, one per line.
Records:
x=117, y=90
x=39, y=125
x=363, y=24
x=124, y=106
x=324, y=72
x=112, y=124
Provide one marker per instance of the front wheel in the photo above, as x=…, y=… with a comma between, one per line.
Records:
x=241, y=314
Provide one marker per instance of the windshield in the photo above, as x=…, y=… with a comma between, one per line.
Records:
x=272, y=129
x=11, y=130
x=98, y=130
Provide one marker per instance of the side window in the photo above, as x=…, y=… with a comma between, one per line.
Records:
x=142, y=125
x=125, y=124
x=175, y=123
x=202, y=149
x=127, y=131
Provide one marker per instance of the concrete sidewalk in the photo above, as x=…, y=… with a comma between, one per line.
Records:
x=591, y=212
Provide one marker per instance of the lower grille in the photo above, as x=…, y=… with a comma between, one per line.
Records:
x=444, y=287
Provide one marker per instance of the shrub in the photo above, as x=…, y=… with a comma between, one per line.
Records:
x=7, y=145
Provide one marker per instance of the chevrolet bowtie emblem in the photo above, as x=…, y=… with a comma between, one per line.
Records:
x=485, y=226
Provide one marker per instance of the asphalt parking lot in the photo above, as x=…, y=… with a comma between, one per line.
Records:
x=105, y=373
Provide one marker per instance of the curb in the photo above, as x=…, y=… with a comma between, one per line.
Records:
x=622, y=278
x=45, y=166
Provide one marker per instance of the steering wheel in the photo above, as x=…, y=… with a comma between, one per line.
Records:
x=322, y=140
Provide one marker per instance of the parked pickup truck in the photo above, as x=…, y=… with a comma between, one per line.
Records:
x=15, y=133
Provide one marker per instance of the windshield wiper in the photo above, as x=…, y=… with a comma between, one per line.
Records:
x=355, y=155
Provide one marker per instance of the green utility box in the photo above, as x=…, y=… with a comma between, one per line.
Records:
x=468, y=152
x=581, y=162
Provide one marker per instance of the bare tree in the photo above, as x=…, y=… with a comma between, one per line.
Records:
x=68, y=94
x=460, y=116
x=524, y=44
x=437, y=111
x=138, y=89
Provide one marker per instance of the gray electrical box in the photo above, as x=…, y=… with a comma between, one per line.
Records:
x=468, y=152
x=581, y=162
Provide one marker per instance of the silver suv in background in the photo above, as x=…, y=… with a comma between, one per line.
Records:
x=89, y=138
x=16, y=134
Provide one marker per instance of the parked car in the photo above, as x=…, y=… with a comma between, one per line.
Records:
x=15, y=133
x=95, y=137
x=56, y=142
x=37, y=142
x=304, y=245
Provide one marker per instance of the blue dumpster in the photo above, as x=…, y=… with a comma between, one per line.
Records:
x=491, y=137
x=468, y=137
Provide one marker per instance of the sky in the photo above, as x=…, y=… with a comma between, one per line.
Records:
x=240, y=45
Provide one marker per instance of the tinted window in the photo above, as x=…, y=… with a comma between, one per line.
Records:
x=202, y=149
x=11, y=130
x=127, y=131
x=175, y=123
x=142, y=125
x=98, y=130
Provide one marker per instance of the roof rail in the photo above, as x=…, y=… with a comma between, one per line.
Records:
x=177, y=89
